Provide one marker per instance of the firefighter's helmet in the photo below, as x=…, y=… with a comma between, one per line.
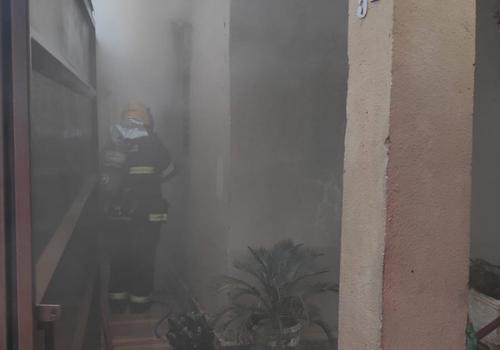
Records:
x=138, y=112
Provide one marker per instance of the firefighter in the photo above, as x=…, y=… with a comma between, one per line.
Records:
x=135, y=166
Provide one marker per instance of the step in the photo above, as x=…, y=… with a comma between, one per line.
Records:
x=135, y=341
x=142, y=347
x=133, y=327
x=131, y=332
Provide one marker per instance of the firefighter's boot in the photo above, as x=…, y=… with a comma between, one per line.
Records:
x=140, y=304
x=118, y=302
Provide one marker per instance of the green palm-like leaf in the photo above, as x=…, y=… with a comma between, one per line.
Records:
x=254, y=271
x=281, y=281
x=240, y=285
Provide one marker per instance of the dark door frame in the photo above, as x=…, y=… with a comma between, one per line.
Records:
x=16, y=266
x=3, y=227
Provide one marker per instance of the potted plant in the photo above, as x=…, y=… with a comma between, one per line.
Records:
x=471, y=343
x=269, y=302
x=188, y=331
x=484, y=298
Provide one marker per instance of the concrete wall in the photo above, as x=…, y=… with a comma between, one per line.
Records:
x=288, y=92
x=138, y=61
x=486, y=160
x=209, y=150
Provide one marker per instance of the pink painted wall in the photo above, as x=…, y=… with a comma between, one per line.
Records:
x=408, y=176
x=429, y=176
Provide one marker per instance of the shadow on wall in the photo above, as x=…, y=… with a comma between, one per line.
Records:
x=486, y=164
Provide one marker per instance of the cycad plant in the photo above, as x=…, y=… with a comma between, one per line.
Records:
x=269, y=301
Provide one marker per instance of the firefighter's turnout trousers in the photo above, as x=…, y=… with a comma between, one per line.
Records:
x=134, y=229
x=131, y=246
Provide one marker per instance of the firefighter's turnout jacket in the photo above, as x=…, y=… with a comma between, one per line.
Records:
x=133, y=171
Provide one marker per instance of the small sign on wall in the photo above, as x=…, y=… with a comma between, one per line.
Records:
x=362, y=9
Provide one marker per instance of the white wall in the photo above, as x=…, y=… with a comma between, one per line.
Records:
x=209, y=149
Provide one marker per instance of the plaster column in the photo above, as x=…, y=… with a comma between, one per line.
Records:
x=406, y=210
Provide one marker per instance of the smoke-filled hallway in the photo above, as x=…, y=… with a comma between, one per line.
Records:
x=180, y=174
x=253, y=114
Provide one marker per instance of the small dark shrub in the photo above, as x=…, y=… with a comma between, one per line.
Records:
x=190, y=331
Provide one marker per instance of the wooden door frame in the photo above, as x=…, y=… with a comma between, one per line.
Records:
x=16, y=266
